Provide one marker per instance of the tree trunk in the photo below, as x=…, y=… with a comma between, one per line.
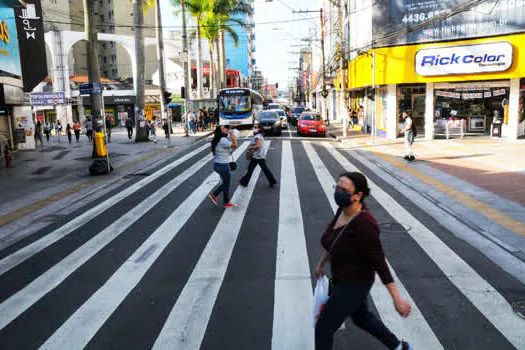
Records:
x=199, y=62
x=212, y=80
x=219, y=64
x=223, y=59
x=138, y=22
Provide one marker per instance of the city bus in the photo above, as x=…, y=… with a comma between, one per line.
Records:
x=238, y=106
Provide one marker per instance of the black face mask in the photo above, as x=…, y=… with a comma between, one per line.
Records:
x=343, y=199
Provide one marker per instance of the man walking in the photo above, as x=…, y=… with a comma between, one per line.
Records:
x=109, y=126
x=410, y=133
x=129, y=126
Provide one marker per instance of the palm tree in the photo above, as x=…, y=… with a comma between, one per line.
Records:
x=197, y=9
x=228, y=9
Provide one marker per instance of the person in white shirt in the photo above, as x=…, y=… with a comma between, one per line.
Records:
x=409, y=137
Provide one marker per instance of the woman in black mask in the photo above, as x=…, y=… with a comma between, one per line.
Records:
x=355, y=253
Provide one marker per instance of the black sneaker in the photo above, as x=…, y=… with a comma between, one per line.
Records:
x=412, y=158
x=407, y=158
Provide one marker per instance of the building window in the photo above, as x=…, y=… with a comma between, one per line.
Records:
x=101, y=18
x=105, y=59
x=105, y=73
x=109, y=15
x=103, y=45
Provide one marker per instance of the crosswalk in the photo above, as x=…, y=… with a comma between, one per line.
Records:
x=157, y=265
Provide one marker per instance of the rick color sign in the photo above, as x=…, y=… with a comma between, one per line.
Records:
x=468, y=59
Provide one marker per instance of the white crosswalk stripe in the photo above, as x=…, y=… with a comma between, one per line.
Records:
x=186, y=324
x=186, y=320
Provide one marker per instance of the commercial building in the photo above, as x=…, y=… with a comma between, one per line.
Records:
x=457, y=72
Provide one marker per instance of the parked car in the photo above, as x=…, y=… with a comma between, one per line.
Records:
x=311, y=123
x=282, y=116
x=296, y=113
x=270, y=122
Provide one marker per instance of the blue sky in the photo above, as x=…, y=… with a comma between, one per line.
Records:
x=273, y=41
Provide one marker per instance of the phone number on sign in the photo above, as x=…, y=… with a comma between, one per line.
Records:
x=422, y=17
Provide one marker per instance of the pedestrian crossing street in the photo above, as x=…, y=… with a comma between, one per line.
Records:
x=157, y=265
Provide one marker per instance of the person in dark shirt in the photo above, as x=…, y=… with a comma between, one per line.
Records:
x=355, y=253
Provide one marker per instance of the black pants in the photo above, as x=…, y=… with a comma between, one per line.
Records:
x=47, y=136
x=349, y=300
x=224, y=171
x=130, y=133
x=251, y=167
x=69, y=136
x=77, y=135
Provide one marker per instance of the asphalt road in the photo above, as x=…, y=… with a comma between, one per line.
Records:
x=155, y=264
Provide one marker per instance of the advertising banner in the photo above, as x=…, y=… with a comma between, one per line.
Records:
x=31, y=43
x=47, y=98
x=9, y=53
x=406, y=21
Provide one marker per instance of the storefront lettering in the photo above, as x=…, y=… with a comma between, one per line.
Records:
x=454, y=59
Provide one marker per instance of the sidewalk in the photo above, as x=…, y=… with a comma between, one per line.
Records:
x=40, y=178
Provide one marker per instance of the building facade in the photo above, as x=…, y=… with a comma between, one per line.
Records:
x=456, y=72
x=242, y=57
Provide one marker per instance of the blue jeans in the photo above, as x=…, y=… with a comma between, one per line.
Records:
x=223, y=169
x=350, y=300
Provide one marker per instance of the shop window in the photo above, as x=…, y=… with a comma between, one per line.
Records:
x=475, y=107
x=412, y=99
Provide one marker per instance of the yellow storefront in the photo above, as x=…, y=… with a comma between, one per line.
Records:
x=476, y=82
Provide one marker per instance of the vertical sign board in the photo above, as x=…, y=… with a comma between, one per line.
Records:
x=30, y=26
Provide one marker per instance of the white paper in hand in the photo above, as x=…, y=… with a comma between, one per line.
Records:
x=320, y=297
x=236, y=132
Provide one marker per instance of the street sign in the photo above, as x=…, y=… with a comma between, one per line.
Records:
x=88, y=89
x=47, y=98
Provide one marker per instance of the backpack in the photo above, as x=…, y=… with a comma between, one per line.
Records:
x=129, y=123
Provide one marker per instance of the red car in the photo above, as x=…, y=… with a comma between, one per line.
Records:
x=311, y=123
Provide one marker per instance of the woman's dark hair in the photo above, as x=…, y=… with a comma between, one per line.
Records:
x=217, y=135
x=360, y=183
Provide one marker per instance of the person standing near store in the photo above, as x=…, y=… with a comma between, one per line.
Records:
x=409, y=137
x=38, y=135
x=353, y=247
x=257, y=150
x=221, y=148
x=109, y=126
x=89, y=129
x=47, y=131
x=76, y=130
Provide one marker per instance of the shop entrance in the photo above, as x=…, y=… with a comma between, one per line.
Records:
x=411, y=98
x=474, y=107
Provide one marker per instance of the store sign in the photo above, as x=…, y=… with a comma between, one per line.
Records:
x=30, y=28
x=417, y=21
x=47, y=98
x=468, y=59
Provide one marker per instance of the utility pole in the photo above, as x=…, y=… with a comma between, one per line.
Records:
x=93, y=67
x=160, y=58
x=341, y=67
x=185, y=65
x=138, y=22
x=324, y=92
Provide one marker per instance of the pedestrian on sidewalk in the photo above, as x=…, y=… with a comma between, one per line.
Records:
x=58, y=129
x=130, y=124
x=256, y=153
x=76, y=130
x=89, y=129
x=166, y=128
x=68, y=132
x=38, y=135
x=150, y=125
x=353, y=247
x=109, y=126
x=47, y=131
x=221, y=148
x=409, y=132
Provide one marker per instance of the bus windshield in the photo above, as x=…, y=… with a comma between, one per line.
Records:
x=235, y=103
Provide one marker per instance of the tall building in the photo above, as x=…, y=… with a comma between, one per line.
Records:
x=242, y=57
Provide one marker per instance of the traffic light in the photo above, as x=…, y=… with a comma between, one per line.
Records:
x=167, y=97
x=276, y=85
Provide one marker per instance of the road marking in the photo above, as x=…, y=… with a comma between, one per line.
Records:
x=485, y=297
x=78, y=330
x=23, y=299
x=25, y=253
x=415, y=328
x=487, y=210
x=290, y=131
x=187, y=321
x=293, y=299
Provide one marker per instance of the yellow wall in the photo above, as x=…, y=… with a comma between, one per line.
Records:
x=395, y=65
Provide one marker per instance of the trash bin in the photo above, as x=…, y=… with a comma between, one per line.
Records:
x=100, y=145
x=496, y=129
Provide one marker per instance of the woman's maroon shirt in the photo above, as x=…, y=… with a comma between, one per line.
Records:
x=358, y=252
